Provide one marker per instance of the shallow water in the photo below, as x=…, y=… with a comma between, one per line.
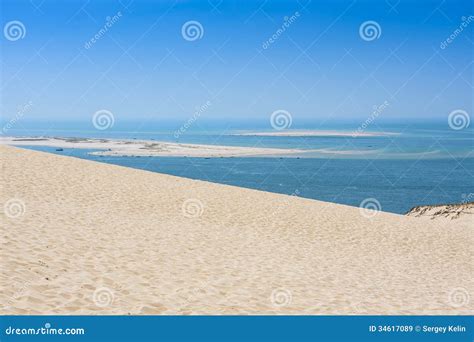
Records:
x=437, y=142
x=421, y=164
x=397, y=184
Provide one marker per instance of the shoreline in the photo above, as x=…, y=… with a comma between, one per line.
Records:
x=120, y=147
x=147, y=148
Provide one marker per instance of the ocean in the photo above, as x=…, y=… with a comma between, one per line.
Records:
x=414, y=167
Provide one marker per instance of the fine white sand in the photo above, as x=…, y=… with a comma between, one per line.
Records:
x=458, y=214
x=146, y=148
x=80, y=237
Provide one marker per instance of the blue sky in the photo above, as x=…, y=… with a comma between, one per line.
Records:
x=319, y=69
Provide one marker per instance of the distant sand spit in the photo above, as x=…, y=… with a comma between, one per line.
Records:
x=147, y=148
x=80, y=237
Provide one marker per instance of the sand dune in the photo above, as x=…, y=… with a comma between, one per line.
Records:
x=462, y=213
x=80, y=237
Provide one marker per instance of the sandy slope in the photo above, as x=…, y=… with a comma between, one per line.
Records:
x=460, y=214
x=80, y=237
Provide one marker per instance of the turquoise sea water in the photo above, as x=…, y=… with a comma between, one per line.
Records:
x=433, y=143
x=415, y=167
